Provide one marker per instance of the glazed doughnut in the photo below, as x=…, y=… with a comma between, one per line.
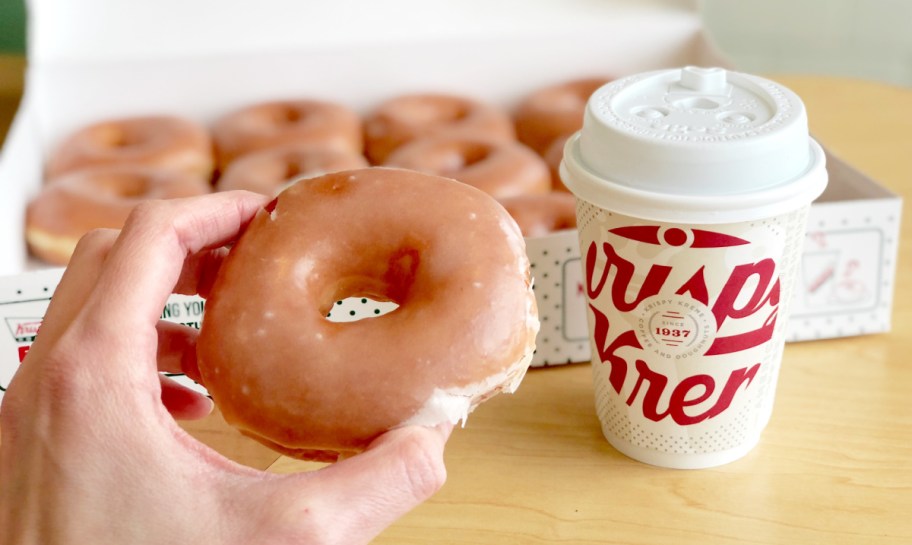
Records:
x=103, y=196
x=499, y=168
x=153, y=141
x=405, y=118
x=553, y=111
x=538, y=215
x=447, y=254
x=268, y=171
x=271, y=124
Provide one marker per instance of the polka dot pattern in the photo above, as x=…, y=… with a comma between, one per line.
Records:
x=557, y=273
x=586, y=213
x=352, y=309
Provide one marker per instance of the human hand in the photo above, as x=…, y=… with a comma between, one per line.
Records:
x=90, y=451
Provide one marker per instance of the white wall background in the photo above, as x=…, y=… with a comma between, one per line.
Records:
x=869, y=39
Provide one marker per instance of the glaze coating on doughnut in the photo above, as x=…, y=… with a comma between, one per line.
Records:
x=405, y=118
x=449, y=256
x=98, y=197
x=538, y=215
x=268, y=171
x=499, y=168
x=276, y=123
x=553, y=111
x=151, y=141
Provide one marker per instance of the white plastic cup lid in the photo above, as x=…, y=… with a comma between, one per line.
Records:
x=695, y=145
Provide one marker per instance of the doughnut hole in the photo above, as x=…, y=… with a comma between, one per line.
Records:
x=289, y=115
x=360, y=297
x=388, y=275
x=115, y=137
x=352, y=309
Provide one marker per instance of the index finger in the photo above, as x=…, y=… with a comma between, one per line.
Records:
x=146, y=261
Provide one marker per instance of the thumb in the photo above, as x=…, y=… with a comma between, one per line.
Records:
x=362, y=495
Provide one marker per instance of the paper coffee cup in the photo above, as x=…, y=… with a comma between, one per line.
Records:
x=693, y=187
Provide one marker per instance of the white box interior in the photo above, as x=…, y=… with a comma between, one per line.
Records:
x=93, y=59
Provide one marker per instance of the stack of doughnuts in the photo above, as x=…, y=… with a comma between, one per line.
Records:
x=75, y=203
x=98, y=174
x=268, y=125
x=544, y=120
x=469, y=141
x=264, y=146
x=457, y=137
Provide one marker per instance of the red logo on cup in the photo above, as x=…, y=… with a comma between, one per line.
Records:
x=674, y=236
x=675, y=320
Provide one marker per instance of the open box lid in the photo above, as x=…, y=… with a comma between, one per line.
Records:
x=199, y=58
x=112, y=30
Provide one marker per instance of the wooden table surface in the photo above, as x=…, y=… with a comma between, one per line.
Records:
x=833, y=467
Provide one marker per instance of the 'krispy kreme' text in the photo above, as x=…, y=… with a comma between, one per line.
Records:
x=749, y=289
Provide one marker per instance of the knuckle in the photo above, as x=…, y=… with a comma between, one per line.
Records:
x=301, y=521
x=146, y=213
x=150, y=220
x=11, y=413
x=49, y=387
x=58, y=382
x=96, y=241
x=425, y=471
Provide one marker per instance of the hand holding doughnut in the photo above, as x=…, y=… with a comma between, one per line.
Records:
x=89, y=453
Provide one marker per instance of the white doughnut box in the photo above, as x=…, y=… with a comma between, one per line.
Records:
x=95, y=59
